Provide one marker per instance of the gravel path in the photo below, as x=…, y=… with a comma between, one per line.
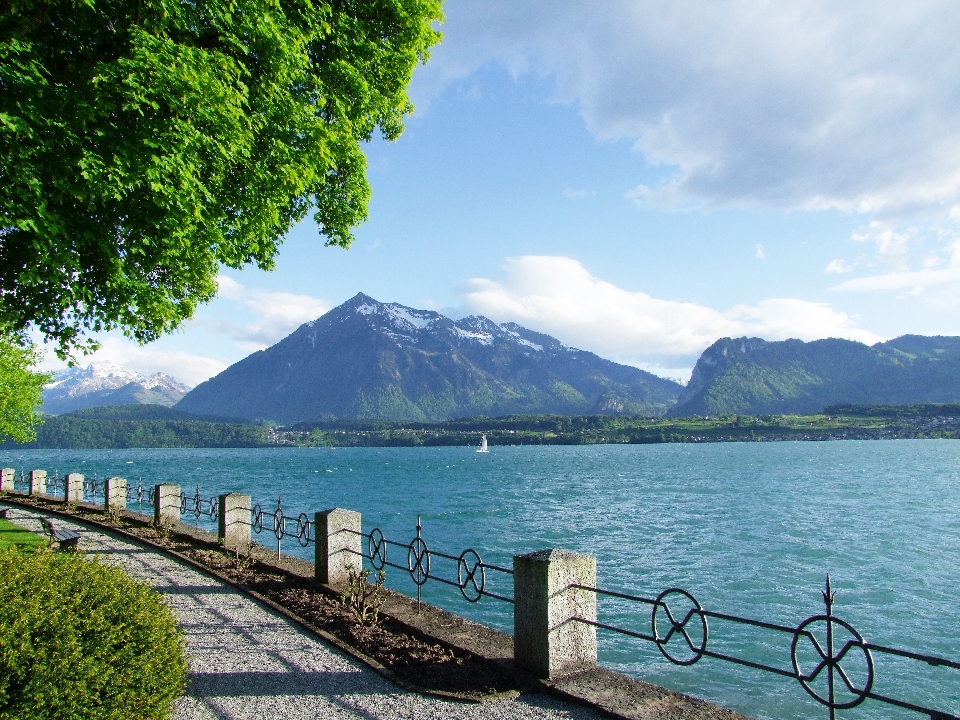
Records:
x=247, y=662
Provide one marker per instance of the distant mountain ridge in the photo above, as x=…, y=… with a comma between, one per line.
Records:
x=104, y=383
x=370, y=360
x=751, y=376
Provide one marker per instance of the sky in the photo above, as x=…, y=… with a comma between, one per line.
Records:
x=639, y=178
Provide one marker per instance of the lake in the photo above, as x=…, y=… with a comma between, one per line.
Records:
x=750, y=529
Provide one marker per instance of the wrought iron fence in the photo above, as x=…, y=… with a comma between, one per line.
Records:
x=828, y=657
x=304, y=530
x=92, y=487
x=199, y=506
x=139, y=493
x=471, y=570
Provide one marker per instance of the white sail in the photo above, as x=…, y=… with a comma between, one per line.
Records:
x=483, y=444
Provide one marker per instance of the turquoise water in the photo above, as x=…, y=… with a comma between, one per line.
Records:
x=750, y=529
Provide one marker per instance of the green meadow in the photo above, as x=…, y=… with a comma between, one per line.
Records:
x=13, y=534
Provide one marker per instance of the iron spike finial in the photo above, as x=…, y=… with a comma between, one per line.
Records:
x=419, y=526
x=828, y=596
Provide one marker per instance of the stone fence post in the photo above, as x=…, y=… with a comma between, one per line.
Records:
x=73, y=488
x=38, y=482
x=233, y=520
x=7, y=477
x=166, y=504
x=547, y=641
x=338, y=545
x=115, y=494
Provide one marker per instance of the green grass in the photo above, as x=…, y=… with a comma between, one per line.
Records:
x=13, y=534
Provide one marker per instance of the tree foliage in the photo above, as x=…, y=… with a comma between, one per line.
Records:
x=20, y=389
x=146, y=142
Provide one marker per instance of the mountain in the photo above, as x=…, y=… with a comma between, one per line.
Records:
x=751, y=376
x=370, y=360
x=103, y=383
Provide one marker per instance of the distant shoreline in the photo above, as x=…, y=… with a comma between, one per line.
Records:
x=851, y=422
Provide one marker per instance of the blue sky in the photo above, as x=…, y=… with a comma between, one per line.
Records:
x=641, y=178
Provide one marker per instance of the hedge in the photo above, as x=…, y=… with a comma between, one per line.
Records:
x=80, y=639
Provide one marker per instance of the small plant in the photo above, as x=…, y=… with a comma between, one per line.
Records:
x=162, y=530
x=113, y=515
x=243, y=562
x=362, y=598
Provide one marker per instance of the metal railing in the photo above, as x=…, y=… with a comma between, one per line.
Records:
x=139, y=493
x=828, y=657
x=471, y=570
x=92, y=487
x=199, y=506
x=304, y=530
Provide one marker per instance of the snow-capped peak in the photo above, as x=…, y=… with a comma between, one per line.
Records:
x=104, y=375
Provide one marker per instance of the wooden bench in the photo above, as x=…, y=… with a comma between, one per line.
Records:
x=68, y=539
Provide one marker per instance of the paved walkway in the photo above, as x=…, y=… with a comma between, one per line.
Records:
x=246, y=662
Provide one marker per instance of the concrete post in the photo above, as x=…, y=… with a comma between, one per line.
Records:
x=38, y=482
x=73, y=488
x=233, y=520
x=166, y=504
x=338, y=545
x=547, y=641
x=115, y=494
x=7, y=476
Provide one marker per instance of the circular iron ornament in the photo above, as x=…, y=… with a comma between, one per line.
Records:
x=257, y=523
x=303, y=530
x=278, y=519
x=832, y=661
x=416, y=554
x=467, y=567
x=377, y=549
x=214, y=508
x=680, y=626
x=183, y=503
x=197, y=505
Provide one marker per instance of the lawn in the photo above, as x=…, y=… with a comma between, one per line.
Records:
x=13, y=534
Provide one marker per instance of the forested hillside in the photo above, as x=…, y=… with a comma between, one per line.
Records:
x=754, y=377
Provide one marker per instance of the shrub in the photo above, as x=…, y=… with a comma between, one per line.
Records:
x=80, y=639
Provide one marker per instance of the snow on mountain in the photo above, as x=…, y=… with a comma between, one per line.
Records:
x=104, y=383
x=404, y=324
x=95, y=377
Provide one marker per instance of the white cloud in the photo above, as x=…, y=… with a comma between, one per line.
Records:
x=558, y=296
x=277, y=314
x=914, y=282
x=811, y=104
x=761, y=253
x=891, y=242
x=838, y=265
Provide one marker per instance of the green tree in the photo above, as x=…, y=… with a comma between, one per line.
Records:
x=20, y=388
x=143, y=143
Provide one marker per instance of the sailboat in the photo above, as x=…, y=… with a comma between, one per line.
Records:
x=483, y=444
